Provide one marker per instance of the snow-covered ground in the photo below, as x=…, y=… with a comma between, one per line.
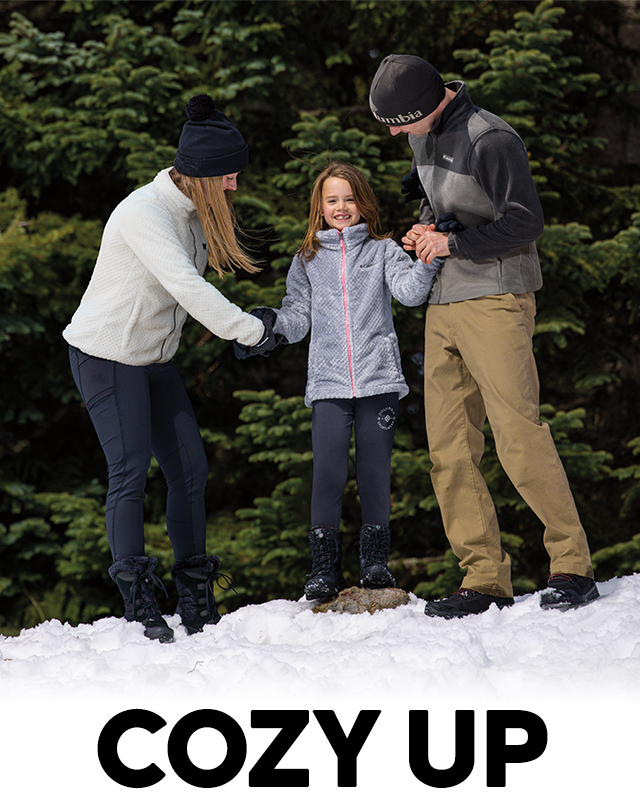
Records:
x=579, y=671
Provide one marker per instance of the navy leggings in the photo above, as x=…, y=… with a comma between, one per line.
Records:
x=332, y=420
x=139, y=411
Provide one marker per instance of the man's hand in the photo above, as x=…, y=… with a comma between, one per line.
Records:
x=427, y=242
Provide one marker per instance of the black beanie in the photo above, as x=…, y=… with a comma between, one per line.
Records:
x=210, y=144
x=405, y=89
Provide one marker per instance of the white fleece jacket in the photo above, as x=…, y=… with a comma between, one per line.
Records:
x=147, y=278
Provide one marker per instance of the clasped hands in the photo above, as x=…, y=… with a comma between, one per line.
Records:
x=426, y=242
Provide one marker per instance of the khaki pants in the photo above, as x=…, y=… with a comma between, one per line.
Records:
x=479, y=364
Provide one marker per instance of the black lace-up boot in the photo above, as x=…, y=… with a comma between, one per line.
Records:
x=326, y=578
x=135, y=579
x=195, y=577
x=567, y=591
x=375, y=542
x=464, y=602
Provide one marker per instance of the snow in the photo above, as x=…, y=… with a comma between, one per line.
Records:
x=579, y=671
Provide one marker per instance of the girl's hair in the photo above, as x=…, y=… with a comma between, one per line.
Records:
x=363, y=195
x=218, y=220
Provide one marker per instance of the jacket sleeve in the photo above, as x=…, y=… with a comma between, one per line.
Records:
x=294, y=318
x=427, y=215
x=499, y=163
x=409, y=281
x=151, y=235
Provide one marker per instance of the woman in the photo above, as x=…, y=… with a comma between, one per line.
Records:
x=148, y=277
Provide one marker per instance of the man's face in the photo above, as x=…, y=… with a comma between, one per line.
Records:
x=426, y=124
x=417, y=128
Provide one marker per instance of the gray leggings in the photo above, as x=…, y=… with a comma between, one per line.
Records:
x=374, y=419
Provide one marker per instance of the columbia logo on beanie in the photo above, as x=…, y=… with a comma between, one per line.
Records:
x=405, y=89
x=210, y=144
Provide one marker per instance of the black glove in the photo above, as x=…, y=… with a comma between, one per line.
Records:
x=446, y=222
x=412, y=188
x=269, y=340
x=269, y=317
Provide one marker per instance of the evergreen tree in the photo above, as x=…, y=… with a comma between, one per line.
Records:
x=92, y=98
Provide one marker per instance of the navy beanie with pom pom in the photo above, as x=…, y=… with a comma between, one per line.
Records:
x=210, y=144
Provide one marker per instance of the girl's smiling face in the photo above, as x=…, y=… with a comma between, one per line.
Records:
x=338, y=204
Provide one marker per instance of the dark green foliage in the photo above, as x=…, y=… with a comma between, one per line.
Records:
x=95, y=118
x=91, y=106
x=45, y=263
x=271, y=551
x=618, y=560
x=52, y=549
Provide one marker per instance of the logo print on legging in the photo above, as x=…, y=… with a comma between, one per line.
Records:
x=386, y=418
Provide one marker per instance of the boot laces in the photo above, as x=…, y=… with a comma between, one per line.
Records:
x=323, y=556
x=142, y=595
x=375, y=547
x=212, y=579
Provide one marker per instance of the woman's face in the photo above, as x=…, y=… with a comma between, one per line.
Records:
x=230, y=181
x=338, y=204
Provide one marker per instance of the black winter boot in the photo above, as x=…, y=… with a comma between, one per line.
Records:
x=568, y=591
x=375, y=542
x=195, y=577
x=326, y=578
x=135, y=579
x=464, y=602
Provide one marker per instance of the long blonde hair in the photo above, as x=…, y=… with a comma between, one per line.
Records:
x=363, y=196
x=218, y=219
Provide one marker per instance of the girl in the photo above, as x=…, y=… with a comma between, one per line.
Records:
x=340, y=285
x=147, y=278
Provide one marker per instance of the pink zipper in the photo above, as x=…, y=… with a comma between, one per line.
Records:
x=343, y=276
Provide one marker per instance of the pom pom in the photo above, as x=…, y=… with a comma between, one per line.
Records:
x=200, y=108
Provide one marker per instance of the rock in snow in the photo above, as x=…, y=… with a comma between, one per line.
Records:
x=358, y=601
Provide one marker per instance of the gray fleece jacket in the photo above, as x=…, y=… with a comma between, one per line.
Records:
x=474, y=165
x=344, y=295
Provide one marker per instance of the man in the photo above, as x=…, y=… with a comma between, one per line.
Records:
x=479, y=325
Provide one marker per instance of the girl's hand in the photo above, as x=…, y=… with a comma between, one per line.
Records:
x=412, y=236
